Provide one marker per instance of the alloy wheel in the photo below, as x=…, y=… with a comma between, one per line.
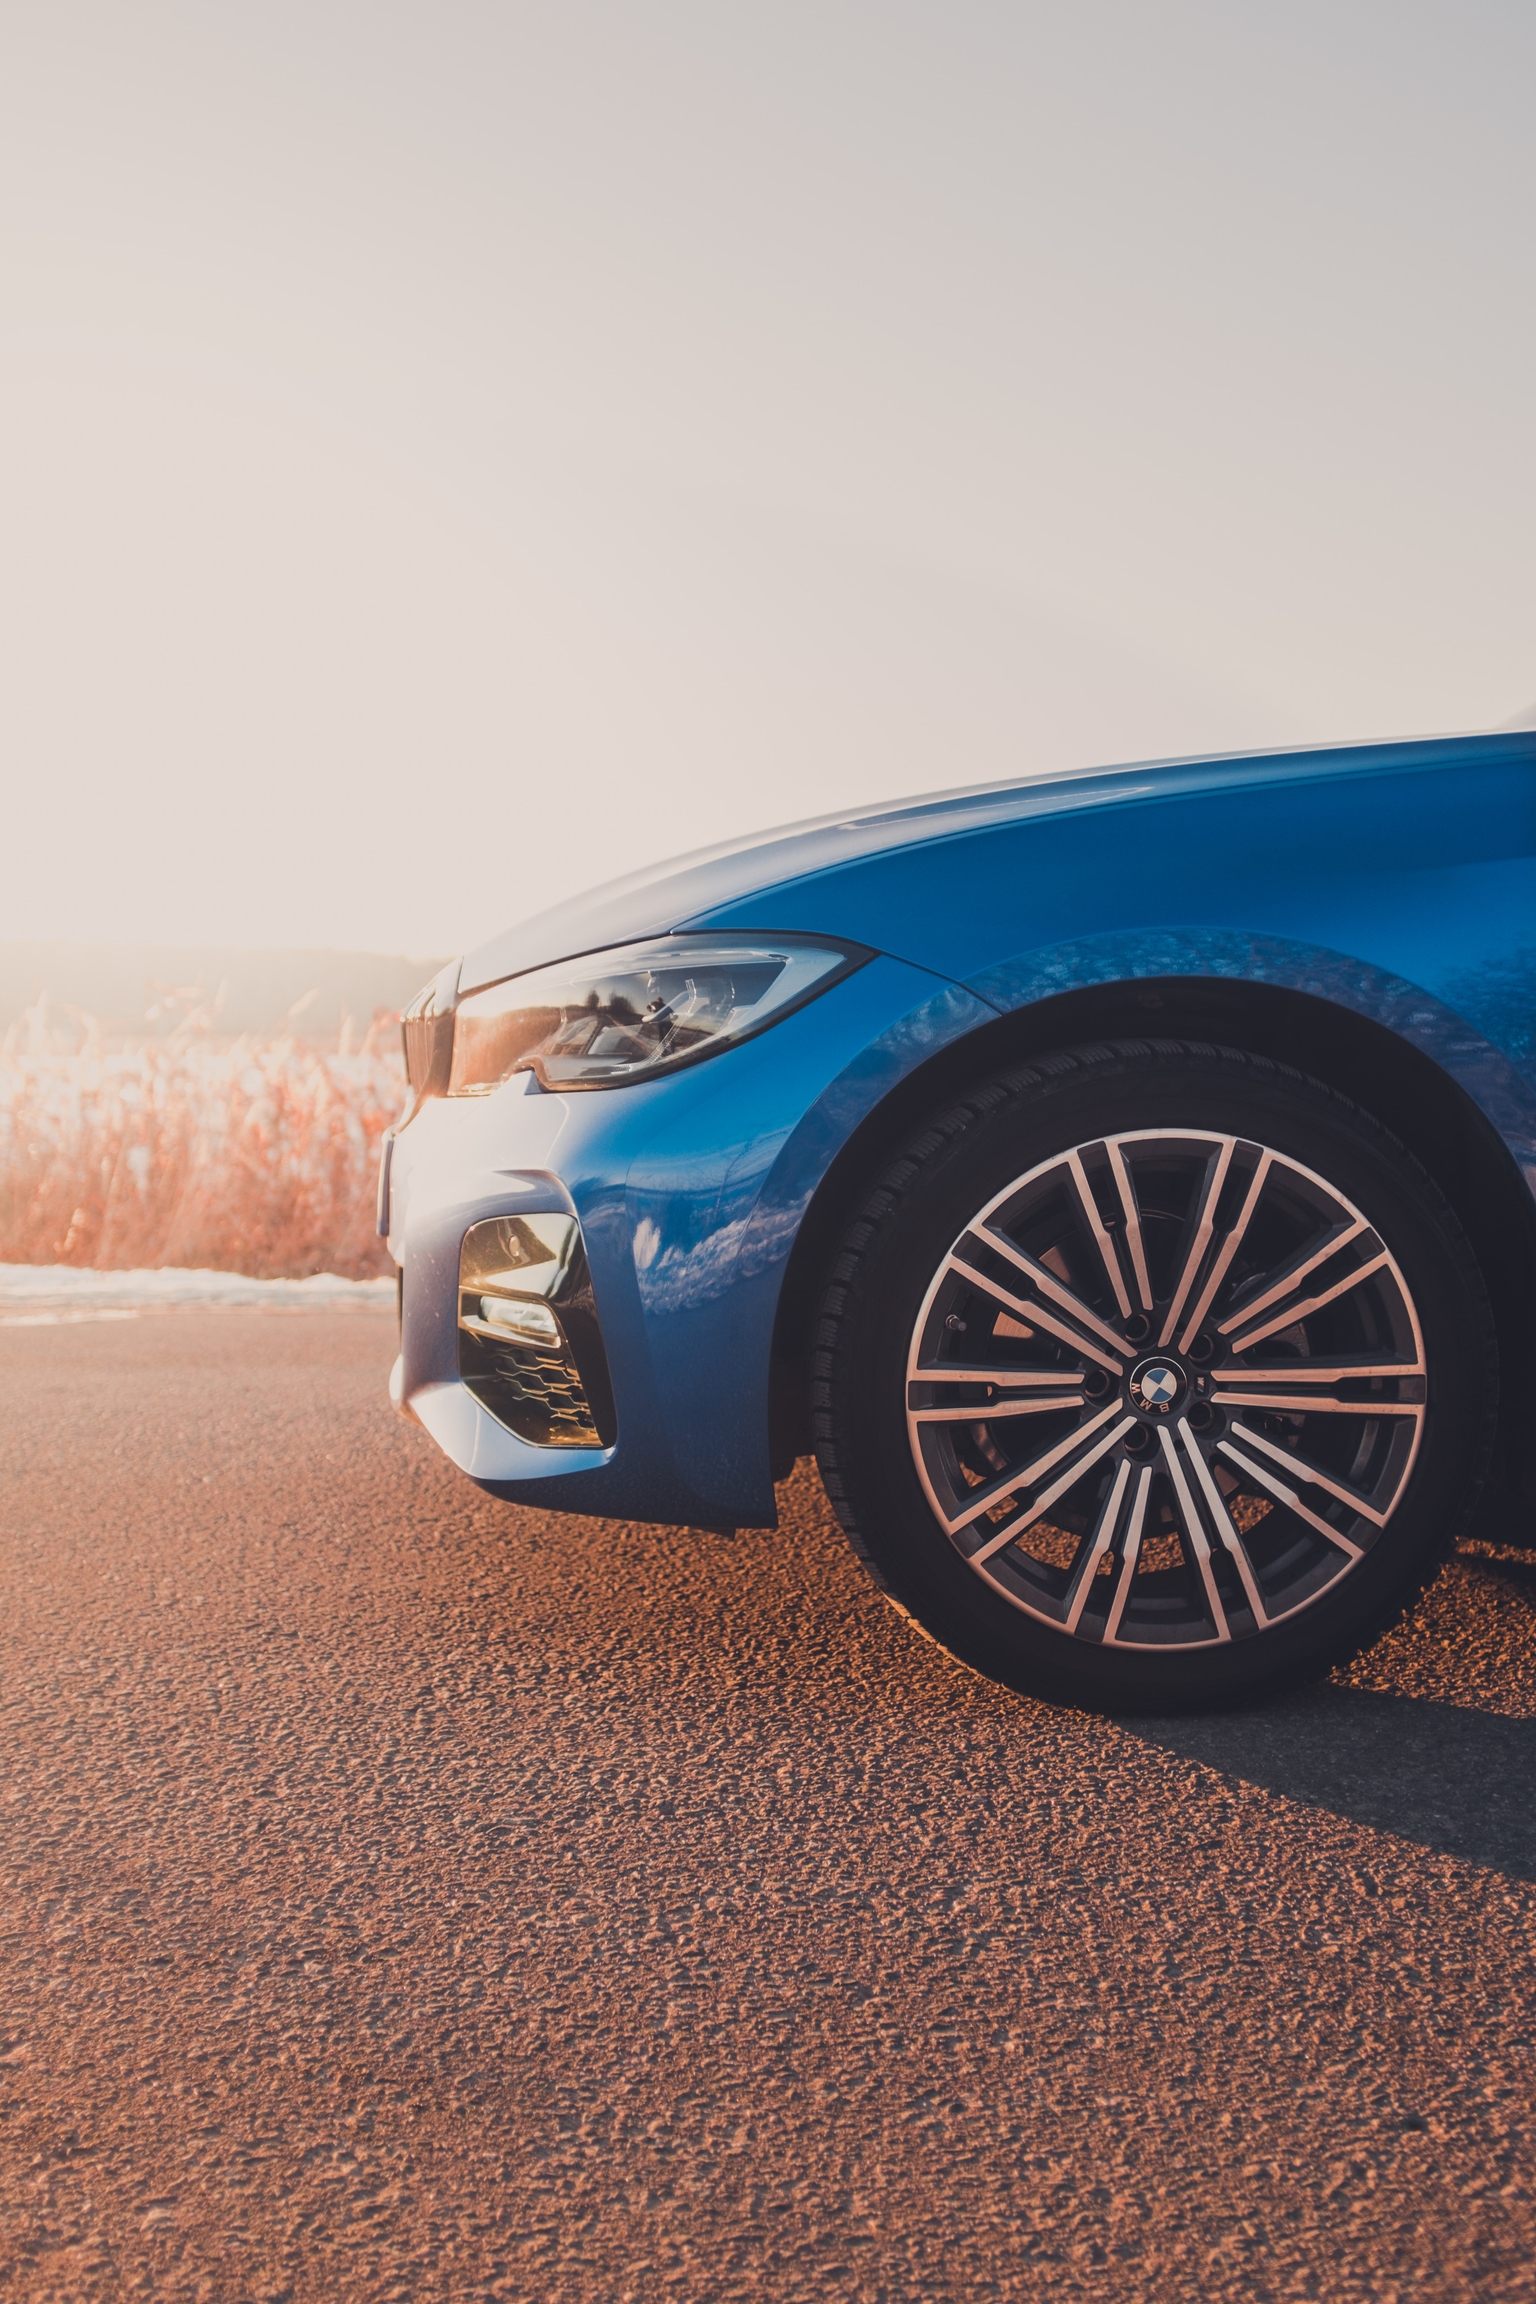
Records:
x=1166, y=1389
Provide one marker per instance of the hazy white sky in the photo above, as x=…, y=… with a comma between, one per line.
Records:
x=451, y=454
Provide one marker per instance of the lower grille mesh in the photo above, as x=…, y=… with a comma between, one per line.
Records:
x=537, y=1392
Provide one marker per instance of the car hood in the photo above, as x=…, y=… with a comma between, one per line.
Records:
x=689, y=889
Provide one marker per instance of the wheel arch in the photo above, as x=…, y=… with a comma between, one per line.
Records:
x=1351, y=1053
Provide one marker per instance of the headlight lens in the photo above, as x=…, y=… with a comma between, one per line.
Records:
x=426, y=1028
x=640, y=1010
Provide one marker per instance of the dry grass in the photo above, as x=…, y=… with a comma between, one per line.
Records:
x=256, y=1156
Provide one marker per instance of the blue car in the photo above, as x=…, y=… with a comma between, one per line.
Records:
x=1122, y=1181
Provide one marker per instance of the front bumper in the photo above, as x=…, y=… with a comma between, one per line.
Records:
x=689, y=1192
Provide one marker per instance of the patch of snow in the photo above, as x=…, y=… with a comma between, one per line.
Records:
x=45, y=1295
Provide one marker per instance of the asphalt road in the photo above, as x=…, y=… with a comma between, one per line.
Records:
x=407, y=1897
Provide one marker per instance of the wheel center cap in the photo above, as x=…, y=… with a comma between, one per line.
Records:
x=1156, y=1385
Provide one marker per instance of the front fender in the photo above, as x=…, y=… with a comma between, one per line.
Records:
x=1501, y=1086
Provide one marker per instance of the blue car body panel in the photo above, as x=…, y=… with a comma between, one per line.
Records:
x=1397, y=882
x=689, y=1191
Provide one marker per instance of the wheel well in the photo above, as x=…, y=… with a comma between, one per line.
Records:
x=1405, y=1090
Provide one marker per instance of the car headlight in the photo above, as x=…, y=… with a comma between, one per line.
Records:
x=426, y=1028
x=637, y=1011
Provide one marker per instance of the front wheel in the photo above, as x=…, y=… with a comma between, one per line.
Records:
x=1154, y=1378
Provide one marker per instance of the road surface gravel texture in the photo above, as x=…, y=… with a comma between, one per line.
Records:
x=411, y=1897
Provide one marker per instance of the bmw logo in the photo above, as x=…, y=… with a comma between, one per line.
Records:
x=1155, y=1386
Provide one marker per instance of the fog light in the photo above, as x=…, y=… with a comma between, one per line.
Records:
x=503, y=1315
x=530, y=1349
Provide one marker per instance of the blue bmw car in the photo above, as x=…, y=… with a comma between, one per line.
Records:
x=1122, y=1181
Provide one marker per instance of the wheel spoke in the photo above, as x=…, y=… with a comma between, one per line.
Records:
x=1037, y=1313
x=1204, y=1226
x=1227, y=1251
x=1098, y=1544
x=1132, y=1215
x=1277, y=1488
x=1048, y=1285
x=1223, y=1523
x=951, y=1373
x=1008, y=1483
x=1318, y=1371
x=1295, y=1313
x=1317, y=1404
x=1128, y=1555
x=1308, y=1473
x=1199, y=1543
x=1100, y=1231
x=1041, y=1504
x=993, y=1411
x=1292, y=1277
x=1309, y=1387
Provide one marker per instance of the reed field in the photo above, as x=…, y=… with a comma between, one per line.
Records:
x=256, y=1155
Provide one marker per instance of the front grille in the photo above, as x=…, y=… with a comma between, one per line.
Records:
x=530, y=1348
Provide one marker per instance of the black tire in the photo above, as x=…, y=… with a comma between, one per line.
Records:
x=1187, y=1580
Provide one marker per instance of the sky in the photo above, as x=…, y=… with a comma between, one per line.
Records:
x=452, y=455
